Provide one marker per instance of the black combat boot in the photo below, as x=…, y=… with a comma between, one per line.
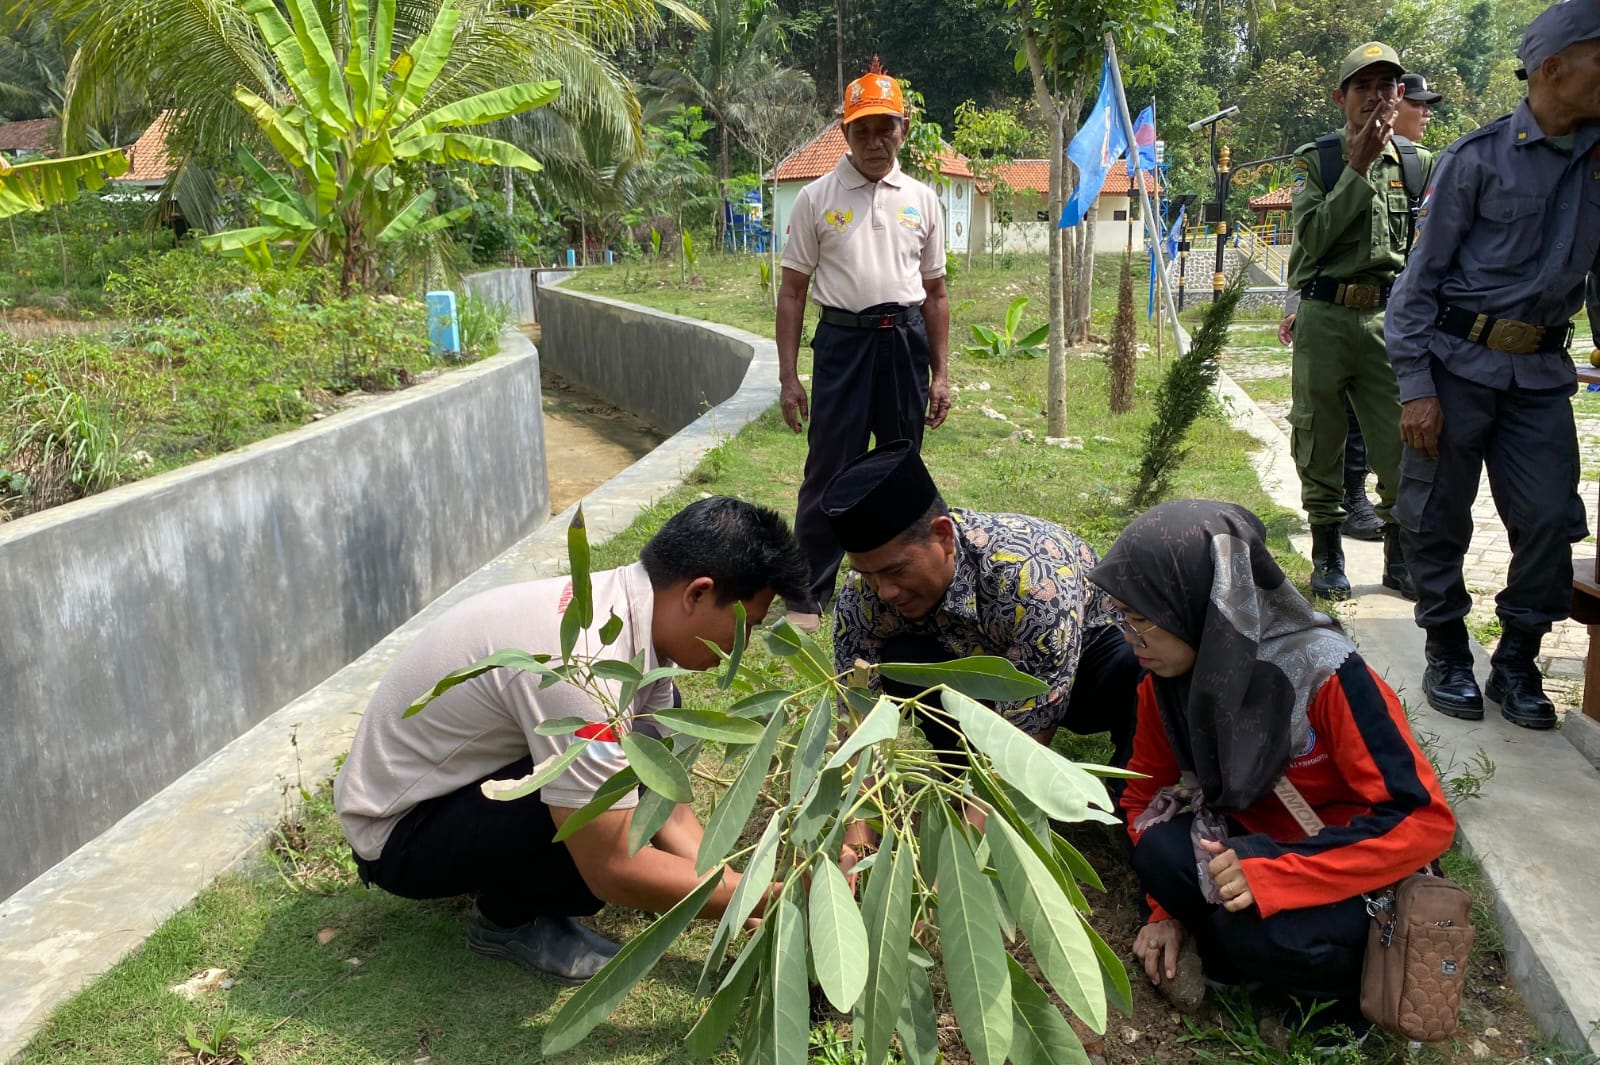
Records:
x=1448, y=682
x=1360, y=523
x=1515, y=682
x=1327, y=564
x=1396, y=574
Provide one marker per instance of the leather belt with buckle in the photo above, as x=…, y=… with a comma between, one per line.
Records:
x=850, y=320
x=1354, y=294
x=1505, y=334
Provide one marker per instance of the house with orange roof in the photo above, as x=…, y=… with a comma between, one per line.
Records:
x=1022, y=224
x=29, y=138
x=821, y=154
x=148, y=164
x=1273, y=211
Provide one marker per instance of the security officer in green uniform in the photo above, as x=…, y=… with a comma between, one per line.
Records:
x=1353, y=194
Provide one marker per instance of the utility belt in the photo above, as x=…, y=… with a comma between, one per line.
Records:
x=883, y=316
x=1505, y=334
x=1361, y=296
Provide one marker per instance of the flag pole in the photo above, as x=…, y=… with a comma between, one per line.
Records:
x=1152, y=230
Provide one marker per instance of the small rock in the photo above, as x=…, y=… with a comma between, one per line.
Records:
x=1070, y=443
x=1175, y=1018
x=1491, y=1033
x=989, y=412
x=141, y=458
x=325, y=935
x=1479, y=1049
x=1131, y=1035
x=227, y=985
x=1024, y=436
x=983, y=386
x=354, y=963
x=1104, y=439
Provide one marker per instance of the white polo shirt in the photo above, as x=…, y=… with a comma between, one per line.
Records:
x=489, y=722
x=863, y=242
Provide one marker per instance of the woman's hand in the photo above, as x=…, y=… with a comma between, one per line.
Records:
x=1156, y=946
x=1228, y=875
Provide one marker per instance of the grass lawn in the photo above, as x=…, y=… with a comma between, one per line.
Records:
x=325, y=971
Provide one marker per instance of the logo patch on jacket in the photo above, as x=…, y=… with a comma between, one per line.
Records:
x=1306, y=755
x=840, y=220
x=911, y=218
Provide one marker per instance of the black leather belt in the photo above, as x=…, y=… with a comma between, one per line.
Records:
x=885, y=320
x=1365, y=297
x=1505, y=334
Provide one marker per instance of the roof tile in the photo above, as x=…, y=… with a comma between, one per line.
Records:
x=147, y=159
x=29, y=135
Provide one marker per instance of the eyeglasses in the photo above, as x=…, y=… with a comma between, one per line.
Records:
x=1120, y=620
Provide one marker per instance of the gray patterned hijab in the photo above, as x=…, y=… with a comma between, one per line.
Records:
x=1201, y=571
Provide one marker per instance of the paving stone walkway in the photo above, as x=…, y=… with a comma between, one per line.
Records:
x=1261, y=367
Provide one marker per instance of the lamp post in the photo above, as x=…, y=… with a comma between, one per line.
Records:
x=1217, y=279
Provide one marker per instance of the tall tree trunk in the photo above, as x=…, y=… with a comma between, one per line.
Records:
x=838, y=40
x=1056, y=392
x=1083, y=294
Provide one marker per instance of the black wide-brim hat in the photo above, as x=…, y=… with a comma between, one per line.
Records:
x=878, y=496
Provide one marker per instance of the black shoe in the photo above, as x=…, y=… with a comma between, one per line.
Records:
x=1327, y=564
x=1396, y=574
x=1515, y=682
x=556, y=948
x=1448, y=682
x=1360, y=523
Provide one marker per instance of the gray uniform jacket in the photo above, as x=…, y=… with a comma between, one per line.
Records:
x=1510, y=227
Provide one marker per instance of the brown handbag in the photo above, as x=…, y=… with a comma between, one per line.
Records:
x=1417, y=946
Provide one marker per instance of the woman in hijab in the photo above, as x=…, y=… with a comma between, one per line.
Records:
x=1246, y=686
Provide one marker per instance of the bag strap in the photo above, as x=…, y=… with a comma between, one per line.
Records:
x=1297, y=805
x=1330, y=160
x=1411, y=174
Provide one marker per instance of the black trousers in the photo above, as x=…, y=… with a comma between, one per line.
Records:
x=864, y=383
x=1529, y=442
x=505, y=852
x=1355, y=447
x=1104, y=695
x=1309, y=954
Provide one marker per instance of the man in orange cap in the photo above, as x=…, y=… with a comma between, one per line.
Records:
x=866, y=242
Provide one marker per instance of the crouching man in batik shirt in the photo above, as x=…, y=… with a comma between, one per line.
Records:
x=931, y=583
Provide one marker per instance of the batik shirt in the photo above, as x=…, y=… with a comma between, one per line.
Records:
x=1020, y=591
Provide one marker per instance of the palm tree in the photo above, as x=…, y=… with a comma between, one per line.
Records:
x=730, y=65
x=191, y=55
x=33, y=67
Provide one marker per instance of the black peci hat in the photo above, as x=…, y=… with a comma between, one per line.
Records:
x=878, y=496
x=1415, y=87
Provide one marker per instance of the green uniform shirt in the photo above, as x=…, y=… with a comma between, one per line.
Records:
x=1355, y=231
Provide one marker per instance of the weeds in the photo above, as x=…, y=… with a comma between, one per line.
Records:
x=1269, y=1040
x=481, y=321
x=223, y=1045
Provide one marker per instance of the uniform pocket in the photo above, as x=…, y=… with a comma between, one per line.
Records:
x=1417, y=472
x=1512, y=232
x=1301, y=440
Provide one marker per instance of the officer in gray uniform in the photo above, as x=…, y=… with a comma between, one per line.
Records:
x=1478, y=331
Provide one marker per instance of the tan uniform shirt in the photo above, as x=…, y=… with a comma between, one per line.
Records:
x=488, y=722
x=863, y=242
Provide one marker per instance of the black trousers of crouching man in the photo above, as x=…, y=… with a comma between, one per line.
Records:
x=1311, y=954
x=1104, y=696
x=865, y=383
x=506, y=853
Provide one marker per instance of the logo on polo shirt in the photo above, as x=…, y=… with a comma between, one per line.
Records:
x=840, y=220
x=911, y=218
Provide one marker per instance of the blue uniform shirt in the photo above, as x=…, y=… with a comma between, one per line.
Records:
x=1510, y=228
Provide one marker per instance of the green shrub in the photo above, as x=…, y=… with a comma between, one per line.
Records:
x=481, y=322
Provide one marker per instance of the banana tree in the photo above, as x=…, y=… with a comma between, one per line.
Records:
x=42, y=183
x=812, y=756
x=345, y=132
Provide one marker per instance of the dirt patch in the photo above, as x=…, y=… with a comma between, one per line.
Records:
x=587, y=440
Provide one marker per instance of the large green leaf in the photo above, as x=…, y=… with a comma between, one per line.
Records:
x=711, y=1030
x=282, y=133
x=728, y=819
x=747, y=894
x=594, y=1001
x=979, y=677
x=918, y=1023
x=887, y=909
x=579, y=614
x=305, y=58
x=838, y=938
x=509, y=659
x=710, y=725
x=1119, y=992
x=823, y=802
x=974, y=958
x=656, y=767
x=1055, y=929
x=883, y=723
x=791, y=1002
x=33, y=186
x=358, y=58
x=652, y=812
x=1050, y=781
x=620, y=784
x=741, y=640
x=466, y=147
x=806, y=655
x=543, y=773
x=380, y=58
x=1042, y=1036
x=485, y=107
x=428, y=54
x=1032, y=825
x=761, y=704
x=809, y=748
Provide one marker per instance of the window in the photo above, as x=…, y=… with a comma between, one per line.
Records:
x=1119, y=216
x=1041, y=216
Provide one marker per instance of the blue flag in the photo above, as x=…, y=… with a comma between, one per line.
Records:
x=1172, y=235
x=1100, y=141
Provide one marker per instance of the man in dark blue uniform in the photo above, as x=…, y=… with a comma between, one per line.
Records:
x=1478, y=331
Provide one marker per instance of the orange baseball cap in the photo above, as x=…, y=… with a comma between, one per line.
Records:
x=874, y=93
